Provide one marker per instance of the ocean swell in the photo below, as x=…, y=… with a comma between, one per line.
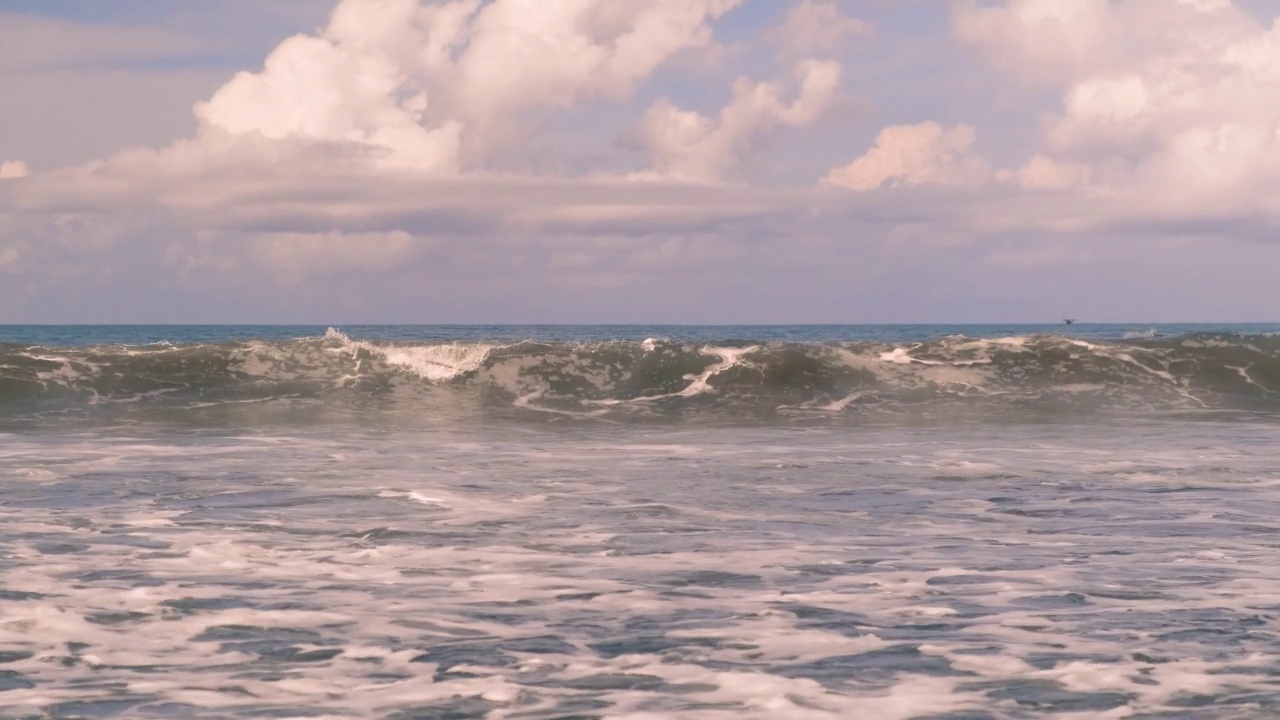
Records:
x=1032, y=377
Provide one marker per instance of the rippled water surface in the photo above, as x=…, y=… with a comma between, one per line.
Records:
x=1119, y=569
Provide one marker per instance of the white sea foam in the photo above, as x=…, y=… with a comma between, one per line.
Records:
x=701, y=575
x=729, y=357
x=436, y=363
x=1142, y=334
x=900, y=356
x=699, y=384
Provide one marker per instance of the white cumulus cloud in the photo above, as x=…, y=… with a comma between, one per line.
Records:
x=1169, y=108
x=1044, y=40
x=911, y=155
x=13, y=169
x=688, y=145
x=436, y=87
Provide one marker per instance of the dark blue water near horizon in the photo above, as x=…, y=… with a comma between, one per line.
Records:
x=81, y=335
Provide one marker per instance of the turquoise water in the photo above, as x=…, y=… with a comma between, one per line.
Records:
x=661, y=522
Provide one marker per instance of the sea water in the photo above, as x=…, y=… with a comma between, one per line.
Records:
x=944, y=523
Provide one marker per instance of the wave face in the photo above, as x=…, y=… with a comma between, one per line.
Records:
x=1038, y=377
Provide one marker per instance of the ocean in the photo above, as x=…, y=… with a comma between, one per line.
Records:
x=408, y=522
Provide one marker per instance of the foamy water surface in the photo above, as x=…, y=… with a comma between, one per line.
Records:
x=1015, y=570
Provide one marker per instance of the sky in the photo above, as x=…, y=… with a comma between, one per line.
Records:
x=639, y=161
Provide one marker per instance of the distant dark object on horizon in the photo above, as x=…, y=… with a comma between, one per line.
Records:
x=1069, y=321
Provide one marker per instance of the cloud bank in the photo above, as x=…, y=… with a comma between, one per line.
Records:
x=1170, y=109
x=393, y=162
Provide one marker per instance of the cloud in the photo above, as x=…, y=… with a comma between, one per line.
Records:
x=818, y=27
x=13, y=169
x=1171, y=109
x=687, y=145
x=437, y=87
x=294, y=256
x=911, y=155
x=363, y=148
x=1043, y=40
x=1045, y=173
x=80, y=81
x=387, y=163
x=1058, y=41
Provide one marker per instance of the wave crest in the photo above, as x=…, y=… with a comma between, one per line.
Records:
x=1041, y=376
x=434, y=363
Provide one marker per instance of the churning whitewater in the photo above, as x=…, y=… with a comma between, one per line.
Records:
x=1037, y=375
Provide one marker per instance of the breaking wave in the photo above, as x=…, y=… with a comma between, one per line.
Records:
x=334, y=376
